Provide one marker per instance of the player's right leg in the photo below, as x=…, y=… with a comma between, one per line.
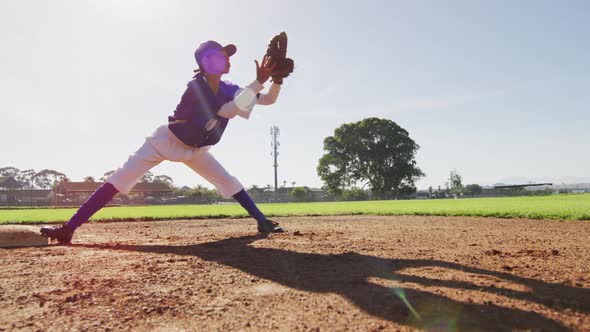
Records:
x=121, y=181
x=227, y=185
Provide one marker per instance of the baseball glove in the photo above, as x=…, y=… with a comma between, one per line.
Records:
x=277, y=51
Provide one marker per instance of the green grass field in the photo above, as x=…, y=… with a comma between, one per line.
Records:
x=560, y=207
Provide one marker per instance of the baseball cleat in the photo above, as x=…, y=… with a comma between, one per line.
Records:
x=269, y=226
x=62, y=233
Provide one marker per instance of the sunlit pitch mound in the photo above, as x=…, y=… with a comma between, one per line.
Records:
x=21, y=236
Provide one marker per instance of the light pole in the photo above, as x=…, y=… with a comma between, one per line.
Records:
x=274, y=144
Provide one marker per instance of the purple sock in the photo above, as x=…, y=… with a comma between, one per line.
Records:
x=101, y=197
x=247, y=203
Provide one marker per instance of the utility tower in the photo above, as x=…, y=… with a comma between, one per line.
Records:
x=274, y=144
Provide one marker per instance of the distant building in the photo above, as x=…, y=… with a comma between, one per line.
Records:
x=7, y=185
x=420, y=194
x=12, y=193
x=8, y=182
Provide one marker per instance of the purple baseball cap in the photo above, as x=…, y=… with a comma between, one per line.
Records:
x=207, y=55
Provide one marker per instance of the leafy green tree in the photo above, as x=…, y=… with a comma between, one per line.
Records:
x=473, y=189
x=300, y=193
x=375, y=152
x=89, y=179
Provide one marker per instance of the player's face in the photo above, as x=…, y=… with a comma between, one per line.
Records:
x=228, y=65
x=216, y=63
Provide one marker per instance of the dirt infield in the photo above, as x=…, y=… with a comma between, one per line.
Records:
x=326, y=273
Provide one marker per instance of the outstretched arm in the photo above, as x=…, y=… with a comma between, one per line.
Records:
x=247, y=98
x=242, y=103
x=270, y=97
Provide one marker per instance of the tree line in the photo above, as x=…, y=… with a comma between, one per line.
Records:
x=48, y=178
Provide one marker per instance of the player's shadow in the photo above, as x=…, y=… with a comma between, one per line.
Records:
x=373, y=284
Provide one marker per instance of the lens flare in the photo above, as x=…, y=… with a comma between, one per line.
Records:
x=402, y=295
x=432, y=313
x=439, y=315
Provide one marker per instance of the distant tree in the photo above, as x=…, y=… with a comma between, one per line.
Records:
x=375, y=152
x=9, y=171
x=89, y=179
x=473, y=189
x=255, y=192
x=293, y=184
x=106, y=176
x=148, y=177
x=25, y=178
x=163, y=179
x=300, y=193
x=212, y=195
x=182, y=191
x=354, y=194
x=48, y=178
x=202, y=193
x=456, y=187
x=430, y=190
x=196, y=192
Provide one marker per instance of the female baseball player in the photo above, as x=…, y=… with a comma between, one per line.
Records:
x=198, y=123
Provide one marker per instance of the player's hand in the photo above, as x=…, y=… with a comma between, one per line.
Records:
x=264, y=72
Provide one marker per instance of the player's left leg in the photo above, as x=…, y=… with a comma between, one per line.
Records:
x=228, y=186
x=124, y=178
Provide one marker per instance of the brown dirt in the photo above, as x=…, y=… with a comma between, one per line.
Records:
x=326, y=273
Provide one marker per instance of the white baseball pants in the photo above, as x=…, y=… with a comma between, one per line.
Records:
x=164, y=145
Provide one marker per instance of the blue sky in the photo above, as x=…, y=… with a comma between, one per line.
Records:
x=496, y=89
